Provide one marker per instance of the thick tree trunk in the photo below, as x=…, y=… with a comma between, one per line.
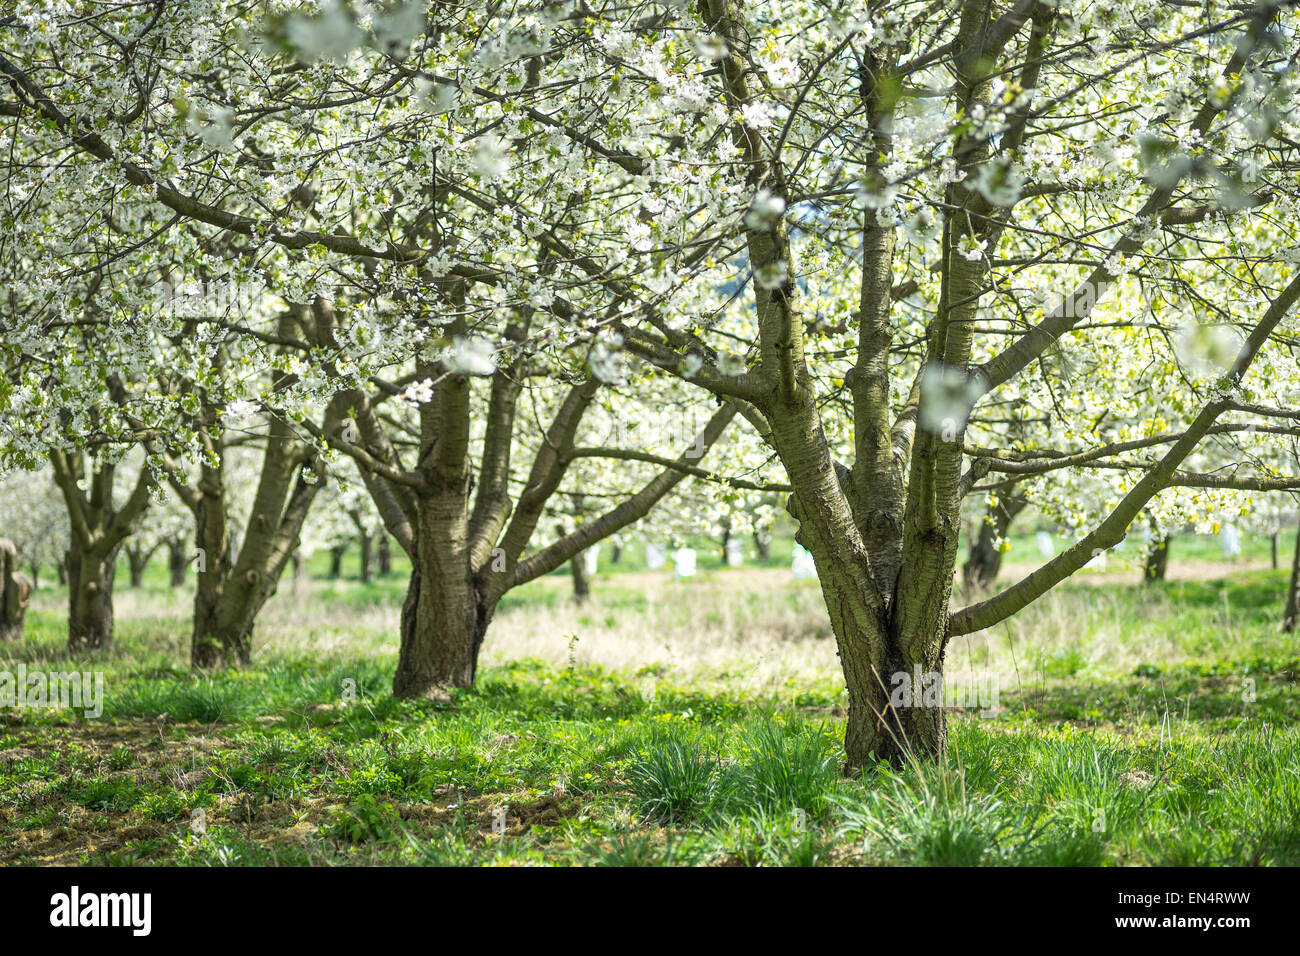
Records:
x=1157, y=563
x=890, y=715
x=440, y=645
x=442, y=622
x=223, y=628
x=1292, y=615
x=90, y=599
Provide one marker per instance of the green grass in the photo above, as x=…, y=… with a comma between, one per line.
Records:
x=1138, y=726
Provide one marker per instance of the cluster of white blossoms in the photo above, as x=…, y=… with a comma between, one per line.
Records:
x=476, y=187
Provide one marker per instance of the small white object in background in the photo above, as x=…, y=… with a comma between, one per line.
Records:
x=735, y=556
x=589, y=558
x=1098, y=561
x=684, y=560
x=1045, y=546
x=1231, y=541
x=655, y=557
x=803, y=565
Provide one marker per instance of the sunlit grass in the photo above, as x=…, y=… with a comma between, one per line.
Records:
x=692, y=722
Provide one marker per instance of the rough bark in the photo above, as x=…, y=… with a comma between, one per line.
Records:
x=441, y=630
x=90, y=612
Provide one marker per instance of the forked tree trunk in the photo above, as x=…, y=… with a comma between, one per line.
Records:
x=463, y=559
x=223, y=630
x=232, y=588
x=878, y=660
x=137, y=560
x=90, y=599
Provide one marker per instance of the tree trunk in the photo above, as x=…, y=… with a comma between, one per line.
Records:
x=61, y=569
x=615, y=552
x=985, y=559
x=90, y=599
x=581, y=583
x=1157, y=563
x=762, y=545
x=15, y=590
x=442, y=622
x=176, y=562
x=1292, y=614
x=137, y=560
x=1273, y=548
x=223, y=628
x=336, y=562
x=878, y=661
x=385, y=555
x=365, y=557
